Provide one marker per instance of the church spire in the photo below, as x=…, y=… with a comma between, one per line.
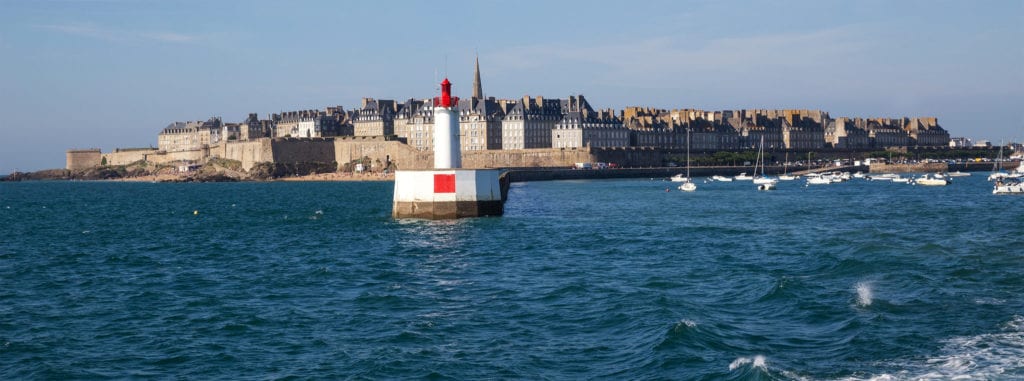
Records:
x=478, y=90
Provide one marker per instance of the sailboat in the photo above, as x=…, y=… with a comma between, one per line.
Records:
x=997, y=167
x=763, y=181
x=785, y=170
x=688, y=185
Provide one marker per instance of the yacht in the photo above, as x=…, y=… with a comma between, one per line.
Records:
x=1008, y=186
x=931, y=180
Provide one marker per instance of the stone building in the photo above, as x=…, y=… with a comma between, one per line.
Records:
x=884, y=133
x=648, y=127
x=421, y=127
x=254, y=128
x=803, y=129
x=403, y=116
x=528, y=124
x=844, y=134
x=189, y=136
x=581, y=126
x=480, y=122
x=375, y=118
x=312, y=123
x=926, y=132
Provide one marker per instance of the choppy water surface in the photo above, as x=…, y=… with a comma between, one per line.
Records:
x=613, y=279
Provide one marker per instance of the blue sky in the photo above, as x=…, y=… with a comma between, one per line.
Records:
x=107, y=74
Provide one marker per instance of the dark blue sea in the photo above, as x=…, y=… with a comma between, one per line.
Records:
x=601, y=279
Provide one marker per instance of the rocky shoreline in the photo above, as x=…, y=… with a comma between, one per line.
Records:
x=214, y=171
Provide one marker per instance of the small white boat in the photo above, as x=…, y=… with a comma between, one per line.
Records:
x=859, y=175
x=766, y=186
x=931, y=180
x=818, y=179
x=721, y=178
x=743, y=176
x=764, y=180
x=788, y=177
x=958, y=174
x=1008, y=187
x=688, y=186
x=679, y=178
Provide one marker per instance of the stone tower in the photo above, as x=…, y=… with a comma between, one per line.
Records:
x=478, y=90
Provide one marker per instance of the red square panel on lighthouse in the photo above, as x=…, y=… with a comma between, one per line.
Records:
x=444, y=183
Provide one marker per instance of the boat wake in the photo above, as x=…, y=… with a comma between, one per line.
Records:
x=987, y=356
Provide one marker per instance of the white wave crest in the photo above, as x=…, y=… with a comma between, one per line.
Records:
x=687, y=323
x=864, y=294
x=988, y=356
x=757, y=361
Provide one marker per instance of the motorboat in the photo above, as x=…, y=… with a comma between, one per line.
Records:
x=788, y=177
x=931, y=180
x=818, y=179
x=679, y=178
x=721, y=178
x=958, y=174
x=743, y=176
x=1008, y=186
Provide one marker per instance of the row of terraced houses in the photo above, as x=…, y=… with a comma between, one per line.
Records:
x=537, y=122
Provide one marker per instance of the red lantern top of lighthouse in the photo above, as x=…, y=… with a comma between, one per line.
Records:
x=446, y=99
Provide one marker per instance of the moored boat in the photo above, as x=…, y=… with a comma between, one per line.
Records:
x=931, y=180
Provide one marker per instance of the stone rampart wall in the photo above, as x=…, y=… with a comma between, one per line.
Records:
x=83, y=159
x=378, y=149
x=295, y=150
x=125, y=157
x=247, y=152
x=526, y=158
x=909, y=168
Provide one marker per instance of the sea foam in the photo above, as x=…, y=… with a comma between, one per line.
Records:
x=757, y=362
x=864, y=294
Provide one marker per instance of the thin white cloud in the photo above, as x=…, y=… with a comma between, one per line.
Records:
x=667, y=60
x=116, y=35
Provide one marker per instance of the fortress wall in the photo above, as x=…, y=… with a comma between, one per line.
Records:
x=295, y=150
x=169, y=157
x=128, y=156
x=247, y=152
x=83, y=158
x=908, y=168
x=525, y=158
x=379, y=149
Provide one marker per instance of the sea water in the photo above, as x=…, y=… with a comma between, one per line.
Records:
x=602, y=279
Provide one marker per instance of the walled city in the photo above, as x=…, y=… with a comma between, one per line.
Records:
x=525, y=132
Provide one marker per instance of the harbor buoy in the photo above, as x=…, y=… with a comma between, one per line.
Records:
x=195, y=212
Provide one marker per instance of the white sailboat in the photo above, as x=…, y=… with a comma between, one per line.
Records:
x=785, y=176
x=763, y=181
x=688, y=185
x=997, y=167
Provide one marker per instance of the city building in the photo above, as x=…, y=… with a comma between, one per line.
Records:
x=189, y=136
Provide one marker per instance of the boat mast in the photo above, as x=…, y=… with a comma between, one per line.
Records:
x=687, y=153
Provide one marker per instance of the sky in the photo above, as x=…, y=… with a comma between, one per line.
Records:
x=112, y=73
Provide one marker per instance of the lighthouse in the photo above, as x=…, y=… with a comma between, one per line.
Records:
x=447, y=150
x=448, y=191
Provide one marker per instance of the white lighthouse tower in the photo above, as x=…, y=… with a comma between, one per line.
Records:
x=447, y=150
x=448, y=191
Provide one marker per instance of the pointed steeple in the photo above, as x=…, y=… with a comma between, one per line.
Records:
x=478, y=90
